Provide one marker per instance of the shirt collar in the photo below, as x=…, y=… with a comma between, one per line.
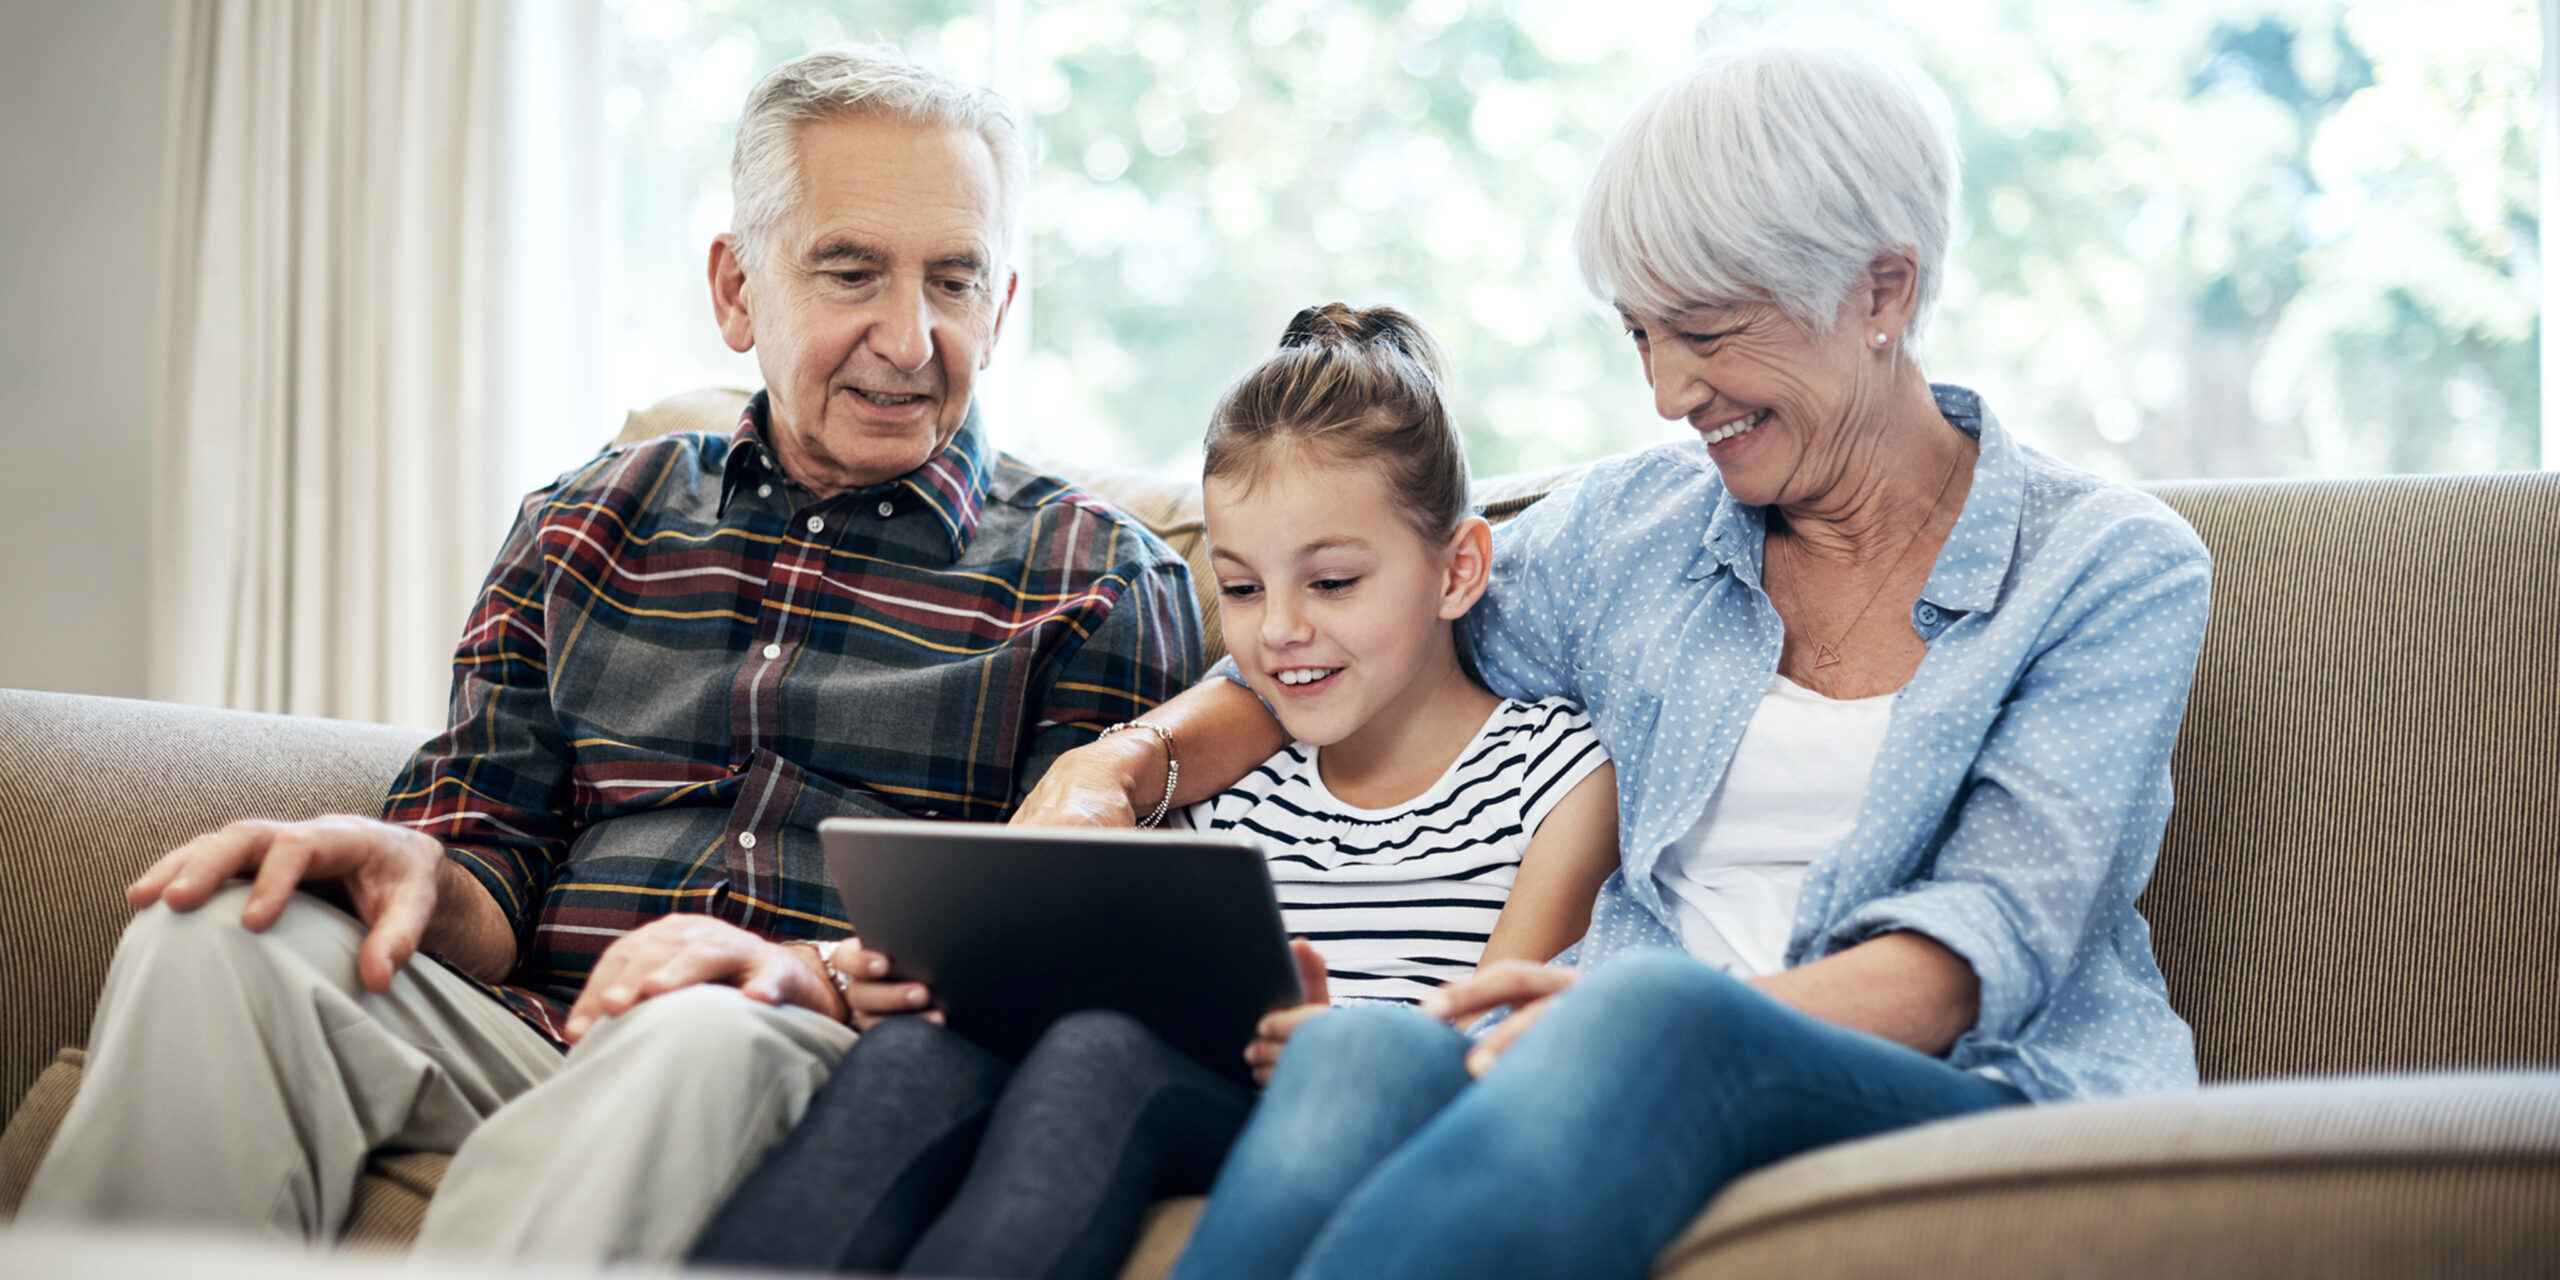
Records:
x=952, y=484
x=1976, y=558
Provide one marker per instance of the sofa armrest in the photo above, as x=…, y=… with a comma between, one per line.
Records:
x=92, y=790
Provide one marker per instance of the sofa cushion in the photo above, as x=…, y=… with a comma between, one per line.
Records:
x=2364, y=1176
x=31, y=1125
x=93, y=790
x=391, y=1198
x=2369, y=1176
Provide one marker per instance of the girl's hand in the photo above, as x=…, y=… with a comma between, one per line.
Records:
x=1529, y=988
x=1273, y=1032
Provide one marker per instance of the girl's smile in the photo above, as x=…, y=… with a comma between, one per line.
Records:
x=1338, y=610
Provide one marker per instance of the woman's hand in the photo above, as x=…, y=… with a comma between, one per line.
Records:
x=1528, y=987
x=1096, y=785
x=1272, y=1034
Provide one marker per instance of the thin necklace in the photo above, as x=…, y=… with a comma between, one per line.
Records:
x=1827, y=655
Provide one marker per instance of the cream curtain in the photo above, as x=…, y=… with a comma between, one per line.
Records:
x=324, y=511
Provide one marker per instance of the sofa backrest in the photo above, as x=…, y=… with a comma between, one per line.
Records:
x=2363, y=869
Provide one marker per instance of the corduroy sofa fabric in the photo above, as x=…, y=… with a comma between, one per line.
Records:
x=31, y=1126
x=2362, y=872
x=2378, y=1176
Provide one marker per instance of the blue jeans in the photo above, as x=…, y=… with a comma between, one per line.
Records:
x=1649, y=1085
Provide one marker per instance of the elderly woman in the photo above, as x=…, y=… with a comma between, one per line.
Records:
x=1891, y=698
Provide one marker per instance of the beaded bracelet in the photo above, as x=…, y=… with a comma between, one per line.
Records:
x=1172, y=767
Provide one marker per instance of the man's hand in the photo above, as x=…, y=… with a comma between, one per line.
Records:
x=1529, y=988
x=872, y=998
x=678, y=951
x=1271, y=1035
x=391, y=876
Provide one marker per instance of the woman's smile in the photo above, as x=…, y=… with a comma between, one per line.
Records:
x=1741, y=426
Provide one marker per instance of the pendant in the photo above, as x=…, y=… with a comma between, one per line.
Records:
x=1824, y=657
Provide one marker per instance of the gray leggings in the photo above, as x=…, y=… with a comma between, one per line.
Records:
x=924, y=1153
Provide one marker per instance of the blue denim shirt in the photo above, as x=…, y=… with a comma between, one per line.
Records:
x=2015, y=810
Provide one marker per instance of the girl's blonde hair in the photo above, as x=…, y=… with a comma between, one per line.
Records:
x=1349, y=384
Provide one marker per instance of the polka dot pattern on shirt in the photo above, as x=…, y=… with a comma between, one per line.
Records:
x=2016, y=808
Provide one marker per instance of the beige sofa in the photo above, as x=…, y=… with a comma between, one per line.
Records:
x=2357, y=906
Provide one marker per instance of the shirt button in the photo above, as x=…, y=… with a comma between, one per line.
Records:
x=888, y=509
x=817, y=524
x=1926, y=615
x=746, y=839
x=764, y=491
x=772, y=651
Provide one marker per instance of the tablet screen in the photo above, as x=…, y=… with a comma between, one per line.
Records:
x=1016, y=927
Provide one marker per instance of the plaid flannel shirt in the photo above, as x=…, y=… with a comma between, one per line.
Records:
x=681, y=663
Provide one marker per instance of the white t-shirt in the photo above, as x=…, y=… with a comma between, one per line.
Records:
x=1791, y=792
x=1401, y=900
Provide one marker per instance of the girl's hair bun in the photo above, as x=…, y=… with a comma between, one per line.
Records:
x=1346, y=383
x=1340, y=324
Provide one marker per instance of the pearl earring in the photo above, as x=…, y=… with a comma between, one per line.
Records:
x=1883, y=340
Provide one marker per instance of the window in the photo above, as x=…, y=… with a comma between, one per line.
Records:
x=2257, y=238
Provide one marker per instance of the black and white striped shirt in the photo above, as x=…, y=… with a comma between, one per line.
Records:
x=1401, y=900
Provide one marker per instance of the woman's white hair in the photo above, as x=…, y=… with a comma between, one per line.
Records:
x=1774, y=172
x=856, y=80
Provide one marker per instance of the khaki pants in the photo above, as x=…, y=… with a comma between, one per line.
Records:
x=239, y=1080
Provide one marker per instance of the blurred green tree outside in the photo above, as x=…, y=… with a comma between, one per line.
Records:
x=2257, y=237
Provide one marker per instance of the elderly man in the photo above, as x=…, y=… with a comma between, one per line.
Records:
x=689, y=652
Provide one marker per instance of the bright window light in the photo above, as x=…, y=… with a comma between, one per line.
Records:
x=2281, y=237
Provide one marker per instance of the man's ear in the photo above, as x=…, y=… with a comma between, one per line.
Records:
x=731, y=304
x=1470, y=568
x=995, y=332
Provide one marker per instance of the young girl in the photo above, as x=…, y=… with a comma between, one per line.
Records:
x=1418, y=826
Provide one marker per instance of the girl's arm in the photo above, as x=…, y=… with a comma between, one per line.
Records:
x=1220, y=732
x=1572, y=852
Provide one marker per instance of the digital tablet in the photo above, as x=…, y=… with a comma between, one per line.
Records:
x=1016, y=927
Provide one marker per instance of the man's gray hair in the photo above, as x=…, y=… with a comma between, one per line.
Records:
x=1774, y=172
x=858, y=80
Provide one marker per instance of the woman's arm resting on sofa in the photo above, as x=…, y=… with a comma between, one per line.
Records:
x=1220, y=731
x=395, y=879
